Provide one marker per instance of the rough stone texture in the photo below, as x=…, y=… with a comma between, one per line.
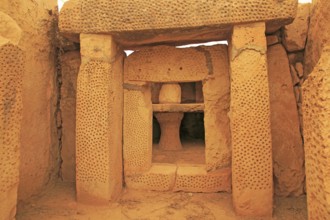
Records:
x=288, y=152
x=170, y=130
x=295, y=34
x=39, y=147
x=316, y=114
x=160, y=177
x=11, y=74
x=271, y=40
x=193, y=107
x=70, y=63
x=137, y=127
x=197, y=179
x=160, y=64
x=192, y=19
x=318, y=34
x=170, y=93
x=99, y=120
x=216, y=92
x=252, y=171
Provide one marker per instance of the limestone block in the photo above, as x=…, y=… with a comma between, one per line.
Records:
x=160, y=177
x=9, y=29
x=99, y=120
x=160, y=64
x=197, y=179
x=295, y=34
x=294, y=75
x=137, y=128
x=98, y=16
x=316, y=114
x=318, y=34
x=271, y=40
x=252, y=171
x=11, y=73
x=70, y=63
x=170, y=130
x=216, y=91
x=288, y=152
x=170, y=93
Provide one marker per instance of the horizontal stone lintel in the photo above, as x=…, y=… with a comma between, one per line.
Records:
x=139, y=22
x=198, y=107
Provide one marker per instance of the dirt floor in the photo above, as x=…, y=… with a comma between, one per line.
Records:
x=59, y=203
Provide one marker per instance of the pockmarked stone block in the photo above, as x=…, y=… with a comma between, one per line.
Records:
x=11, y=73
x=252, y=171
x=163, y=21
x=99, y=120
x=137, y=128
x=160, y=177
x=192, y=178
x=316, y=114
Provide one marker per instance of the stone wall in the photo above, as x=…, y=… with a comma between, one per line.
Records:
x=39, y=155
x=286, y=48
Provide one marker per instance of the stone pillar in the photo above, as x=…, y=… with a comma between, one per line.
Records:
x=99, y=120
x=11, y=73
x=316, y=114
x=252, y=177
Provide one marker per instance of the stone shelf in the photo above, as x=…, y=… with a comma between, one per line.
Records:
x=196, y=107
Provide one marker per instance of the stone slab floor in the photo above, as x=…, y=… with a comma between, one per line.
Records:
x=59, y=203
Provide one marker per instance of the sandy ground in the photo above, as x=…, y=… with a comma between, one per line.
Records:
x=59, y=203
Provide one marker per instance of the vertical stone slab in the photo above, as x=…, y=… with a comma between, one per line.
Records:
x=70, y=63
x=99, y=120
x=252, y=176
x=316, y=114
x=11, y=73
x=288, y=151
x=137, y=127
x=216, y=92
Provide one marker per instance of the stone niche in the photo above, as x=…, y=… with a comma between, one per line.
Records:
x=119, y=99
x=174, y=164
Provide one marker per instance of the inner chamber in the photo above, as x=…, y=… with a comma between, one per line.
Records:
x=191, y=132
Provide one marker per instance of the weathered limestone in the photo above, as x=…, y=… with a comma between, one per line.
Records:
x=160, y=64
x=250, y=122
x=160, y=177
x=158, y=21
x=11, y=74
x=216, y=92
x=316, y=114
x=143, y=66
x=137, y=131
x=288, y=152
x=70, y=63
x=170, y=130
x=39, y=158
x=318, y=34
x=196, y=179
x=170, y=122
x=99, y=120
x=295, y=34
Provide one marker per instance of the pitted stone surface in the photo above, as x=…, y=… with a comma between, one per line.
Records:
x=316, y=114
x=11, y=73
x=159, y=21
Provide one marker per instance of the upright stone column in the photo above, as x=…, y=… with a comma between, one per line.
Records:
x=250, y=122
x=11, y=74
x=99, y=120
